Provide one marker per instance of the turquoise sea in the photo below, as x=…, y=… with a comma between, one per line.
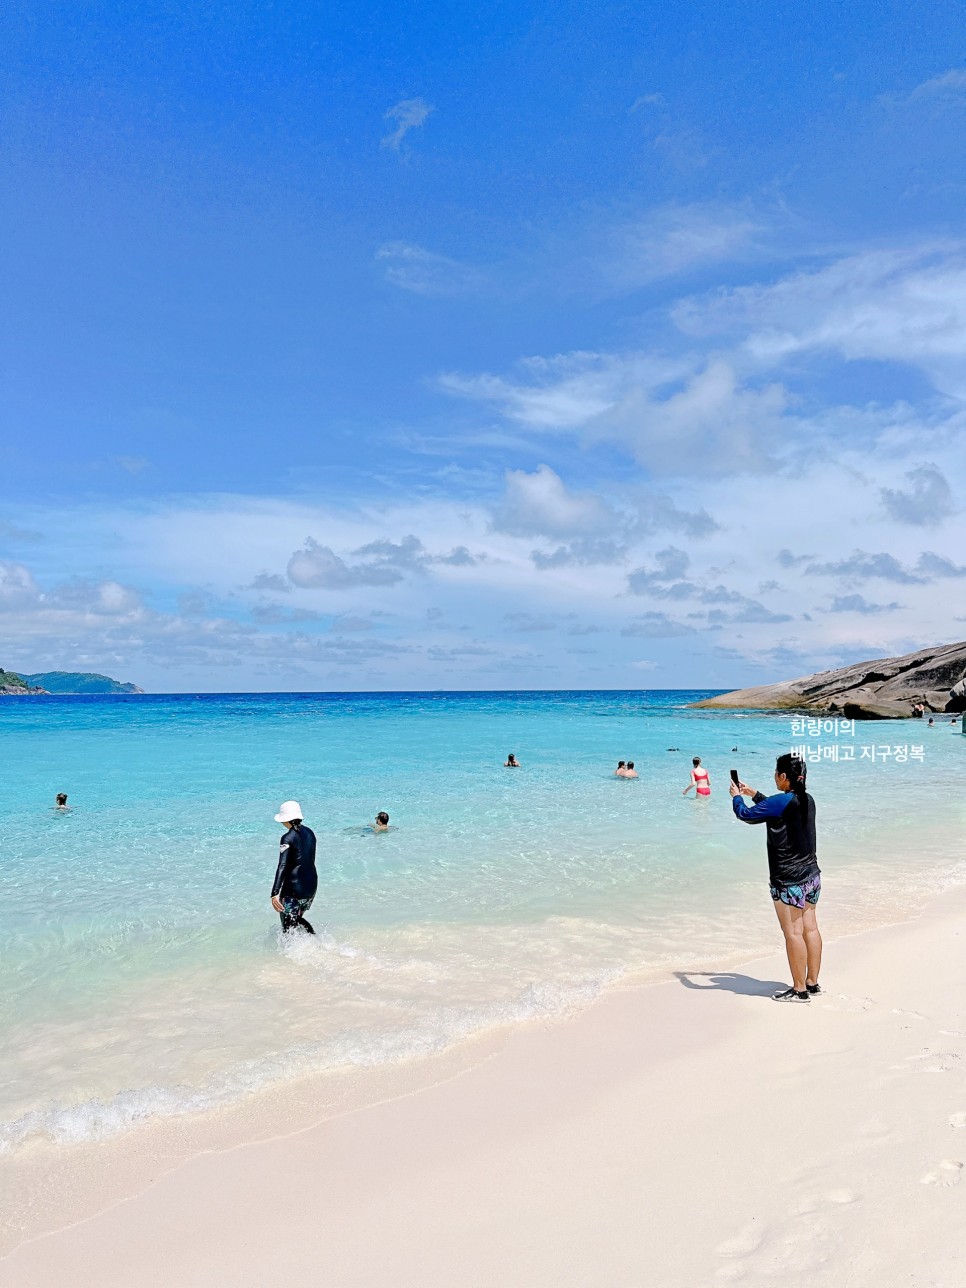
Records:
x=142, y=971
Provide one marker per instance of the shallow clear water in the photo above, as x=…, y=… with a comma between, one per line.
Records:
x=142, y=970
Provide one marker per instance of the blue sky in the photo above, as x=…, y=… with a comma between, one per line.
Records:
x=513, y=346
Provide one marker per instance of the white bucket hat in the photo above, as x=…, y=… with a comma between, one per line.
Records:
x=287, y=811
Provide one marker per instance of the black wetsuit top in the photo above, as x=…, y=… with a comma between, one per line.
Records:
x=296, y=875
x=790, y=839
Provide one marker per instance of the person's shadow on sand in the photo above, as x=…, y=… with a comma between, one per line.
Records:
x=727, y=981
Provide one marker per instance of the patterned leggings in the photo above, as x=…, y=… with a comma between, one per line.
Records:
x=294, y=914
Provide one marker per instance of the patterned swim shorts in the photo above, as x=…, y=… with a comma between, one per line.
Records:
x=797, y=896
x=295, y=910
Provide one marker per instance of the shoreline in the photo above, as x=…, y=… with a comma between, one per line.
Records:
x=184, y=1117
x=121, y=1181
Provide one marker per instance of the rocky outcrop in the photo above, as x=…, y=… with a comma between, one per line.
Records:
x=884, y=689
x=13, y=685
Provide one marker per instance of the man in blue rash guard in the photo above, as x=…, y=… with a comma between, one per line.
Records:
x=794, y=876
x=296, y=879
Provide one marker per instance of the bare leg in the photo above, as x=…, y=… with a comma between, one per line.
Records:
x=792, y=924
x=813, y=943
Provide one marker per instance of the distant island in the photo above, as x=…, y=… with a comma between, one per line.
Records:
x=19, y=684
x=14, y=684
x=883, y=689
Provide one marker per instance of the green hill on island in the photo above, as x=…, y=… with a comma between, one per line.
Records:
x=77, y=682
x=10, y=682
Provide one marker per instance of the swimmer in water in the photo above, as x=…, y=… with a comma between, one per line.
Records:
x=381, y=823
x=511, y=761
x=61, y=799
x=630, y=771
x=296, y=879
x=621, y=770
x=699, y=779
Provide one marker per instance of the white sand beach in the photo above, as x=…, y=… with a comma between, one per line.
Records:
x=687, y=1133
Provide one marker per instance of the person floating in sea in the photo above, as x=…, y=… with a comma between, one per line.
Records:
x=511, y=761
x=699, y=779
x=296, y=879
x=61, y=802
x=630, y=771
x=381, y=822
x=621, y=770
x=794, y=876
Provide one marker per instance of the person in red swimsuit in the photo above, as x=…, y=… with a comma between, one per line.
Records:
x=699, y=779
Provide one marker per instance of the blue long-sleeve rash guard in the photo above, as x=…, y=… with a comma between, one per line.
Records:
x=790, y=838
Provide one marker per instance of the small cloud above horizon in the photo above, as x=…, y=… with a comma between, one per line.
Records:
x=926, y=503
x=409, y=114
x=424, y=272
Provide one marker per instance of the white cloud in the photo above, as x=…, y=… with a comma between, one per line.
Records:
x=423, y=272
x=902, y=306
x=712, y=425
x=78, y=597
x=713, y=577
x=132, y=464
x=728, y=405
x=318, y=567
x=654, y=99
x=539, y=504
x=671, y=565
x=108, y=598
x=17, y=585
x=706, y=422
x=863, y=566
x=678, y=238
x=949, y=84
x=559, y=393
x=593, y=532
x=272, y=614
x=656, y=626
x=926, y=503
x=408, y=114
x=273, y=582
x=859, y=604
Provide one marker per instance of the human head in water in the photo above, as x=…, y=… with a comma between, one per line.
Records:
x=695, y=761
x=61, y=800
x=511, y=759
x=382, y=818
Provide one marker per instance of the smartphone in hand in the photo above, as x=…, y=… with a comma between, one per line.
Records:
x=734, y=778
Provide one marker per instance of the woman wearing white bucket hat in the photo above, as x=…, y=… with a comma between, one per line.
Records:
x=296, y=880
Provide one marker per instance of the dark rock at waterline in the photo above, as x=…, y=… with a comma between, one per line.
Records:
x=883, y=689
